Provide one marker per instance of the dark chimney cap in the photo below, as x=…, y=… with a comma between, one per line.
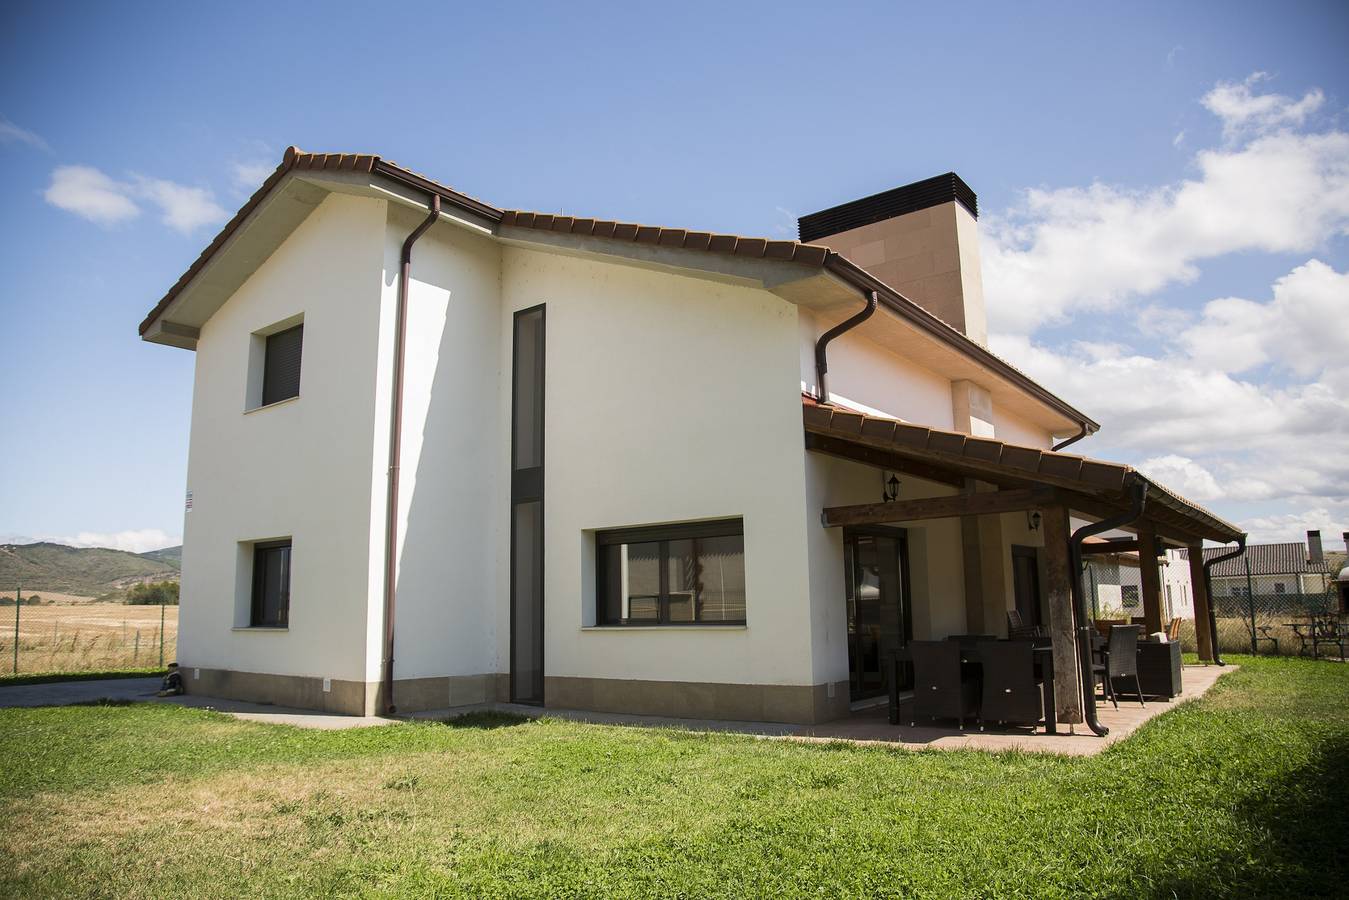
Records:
x=888, y=204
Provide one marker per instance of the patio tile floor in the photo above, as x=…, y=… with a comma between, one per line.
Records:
x=870, y=727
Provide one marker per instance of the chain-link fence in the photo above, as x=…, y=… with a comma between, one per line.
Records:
x=1268, y=614
x=39, y=635
x=1273, y=613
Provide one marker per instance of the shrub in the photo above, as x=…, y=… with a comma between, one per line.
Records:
x=159, y=593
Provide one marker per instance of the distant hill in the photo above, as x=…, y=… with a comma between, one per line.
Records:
x=172, y=556
x=88, y=571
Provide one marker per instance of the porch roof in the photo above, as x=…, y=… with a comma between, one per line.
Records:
x=1091, y=486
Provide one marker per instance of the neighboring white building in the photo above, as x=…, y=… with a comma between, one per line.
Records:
x=612, y=458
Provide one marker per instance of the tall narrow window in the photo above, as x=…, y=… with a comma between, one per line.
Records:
x=281, y=365
x=527, y=372
x=271, y=585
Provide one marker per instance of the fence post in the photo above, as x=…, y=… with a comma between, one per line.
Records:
x=18, y=602
x=136, y=649
x=161, y=634
x=1250, y=602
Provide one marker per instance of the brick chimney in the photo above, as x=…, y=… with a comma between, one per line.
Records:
x=1314, y=552
x=921, y=239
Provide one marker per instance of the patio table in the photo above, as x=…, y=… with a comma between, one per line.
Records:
x=969, y=655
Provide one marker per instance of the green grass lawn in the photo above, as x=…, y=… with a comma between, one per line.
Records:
x=1242, y=793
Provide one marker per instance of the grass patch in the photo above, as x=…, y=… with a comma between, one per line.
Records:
x=50, y=677
x=1238, y=794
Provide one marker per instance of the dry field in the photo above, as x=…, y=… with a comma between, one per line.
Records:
x=86, y=637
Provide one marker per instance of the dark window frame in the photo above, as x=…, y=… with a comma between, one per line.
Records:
x=527, y=488
x=272, y=390
x=257, y=604
x=663, y=535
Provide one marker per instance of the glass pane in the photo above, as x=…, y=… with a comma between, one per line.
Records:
x=611, y=584
x=527, y=603
x=682, y=575
x=721, y=579
x=272, y=586
x=528, y=389
x=641, y=594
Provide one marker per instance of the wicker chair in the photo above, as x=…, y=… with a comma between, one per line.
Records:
x=1120, y=661
x=1173, y=630
x=939, y=691
x=1017, y=629
x=1011, y=691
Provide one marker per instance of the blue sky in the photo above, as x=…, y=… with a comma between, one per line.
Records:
x=1133, y=167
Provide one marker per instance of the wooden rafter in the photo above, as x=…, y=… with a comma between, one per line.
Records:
x=976, y=504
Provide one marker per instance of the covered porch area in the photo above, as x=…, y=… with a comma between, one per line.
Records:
x=992, y=537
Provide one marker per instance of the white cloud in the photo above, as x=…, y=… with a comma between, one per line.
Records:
x=1178, y=139
x=184, y=208
x=13, y=134
x=1305, y=329
x=1065, y=251
x=135, y=541
x=247, y=176
x=1183, y=474
x=139, y=540
x=1201, y=411
x=1294, y=526
x=1242, y=110
x=89, y=193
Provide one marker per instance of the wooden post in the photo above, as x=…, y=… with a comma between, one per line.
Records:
x=1059, y=590
x=1151, y=579
x=1204, y=636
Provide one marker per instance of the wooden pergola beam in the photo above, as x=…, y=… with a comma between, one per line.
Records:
x=1204, y=636
x=977, y=504
x=881, y=459
x=1150, y=579
x=1109, y=547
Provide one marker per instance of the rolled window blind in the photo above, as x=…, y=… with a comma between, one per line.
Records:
x=281, y=376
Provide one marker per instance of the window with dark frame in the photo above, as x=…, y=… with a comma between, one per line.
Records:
x=686, y=574
x=271, y=585
x=281, y=365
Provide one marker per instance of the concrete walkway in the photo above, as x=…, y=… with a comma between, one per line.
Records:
x=66, y=693
x=865, y=728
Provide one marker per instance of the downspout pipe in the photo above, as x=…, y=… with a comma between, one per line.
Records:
x=1138, y=499
x=1082, y=432
x=822, y=360
x=396, y=449
x=1208, y=589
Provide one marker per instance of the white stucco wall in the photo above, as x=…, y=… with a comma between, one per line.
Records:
x=1016, y=430
x=668, y=399
x=450, y=514
x=298, y=468
x=868, y=376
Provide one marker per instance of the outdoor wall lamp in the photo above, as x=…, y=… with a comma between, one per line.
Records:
x=890, y=488
x=1033, y=519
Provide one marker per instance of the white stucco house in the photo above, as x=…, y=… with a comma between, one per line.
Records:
x=445, y=453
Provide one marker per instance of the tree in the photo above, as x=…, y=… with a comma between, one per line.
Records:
x=159, y=593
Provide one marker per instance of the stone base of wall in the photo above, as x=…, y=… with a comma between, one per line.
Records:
x=797, y=704
x=352, y=698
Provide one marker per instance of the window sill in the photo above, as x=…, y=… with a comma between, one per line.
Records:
x=271, y=405
x=268, y=629
x=691, y=627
